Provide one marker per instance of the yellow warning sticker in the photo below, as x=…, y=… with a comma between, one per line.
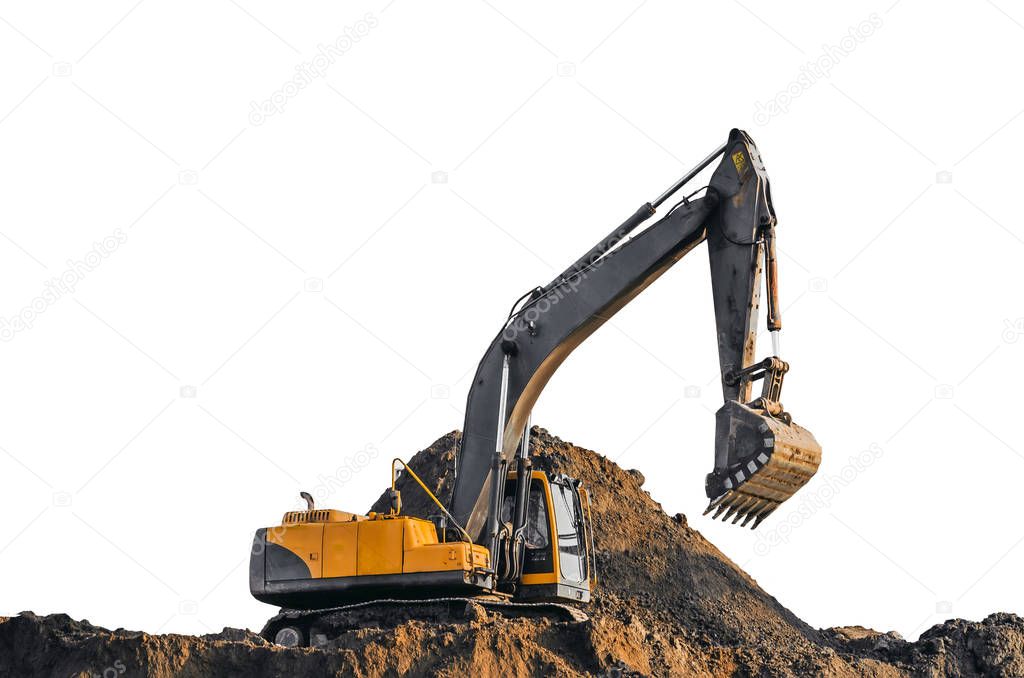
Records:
x=740, y=161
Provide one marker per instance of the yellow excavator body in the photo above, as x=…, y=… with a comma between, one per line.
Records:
x=329, y=557
x=335, y=556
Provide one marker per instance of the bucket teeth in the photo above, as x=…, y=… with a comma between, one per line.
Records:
x=759, y=494
x=738, y=505
x=743, y=508
x=755, y=509
x=715, y=502
x=764, y=514
x=743, y=505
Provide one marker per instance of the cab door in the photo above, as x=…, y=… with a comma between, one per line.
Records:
x=557, y=564
x=572, y=550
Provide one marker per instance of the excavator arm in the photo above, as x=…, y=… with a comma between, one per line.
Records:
x=761, y=457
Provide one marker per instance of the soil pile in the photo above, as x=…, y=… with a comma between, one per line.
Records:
x=668, y=603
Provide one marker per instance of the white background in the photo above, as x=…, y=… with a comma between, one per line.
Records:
x=198, y=377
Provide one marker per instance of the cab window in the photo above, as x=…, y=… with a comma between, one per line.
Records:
x=571, y=556
x=537, y=534
x=538, y=551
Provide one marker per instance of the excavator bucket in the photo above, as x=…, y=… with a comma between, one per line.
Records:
x=761, y=460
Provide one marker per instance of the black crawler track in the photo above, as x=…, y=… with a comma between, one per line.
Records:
x=319, y=627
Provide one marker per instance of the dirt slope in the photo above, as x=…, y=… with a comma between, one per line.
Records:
x=675, y=606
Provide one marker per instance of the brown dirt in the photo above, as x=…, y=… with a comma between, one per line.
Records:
x=668, y=603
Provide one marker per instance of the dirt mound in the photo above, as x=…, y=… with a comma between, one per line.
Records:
x=685, y=586
x=676, y=606
x=993, y=647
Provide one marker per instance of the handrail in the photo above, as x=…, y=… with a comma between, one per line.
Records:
x=588, y=527
x=430, y=494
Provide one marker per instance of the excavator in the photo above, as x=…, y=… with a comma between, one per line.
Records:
x=516, y=538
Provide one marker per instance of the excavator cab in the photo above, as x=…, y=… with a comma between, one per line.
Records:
x=555, y=559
